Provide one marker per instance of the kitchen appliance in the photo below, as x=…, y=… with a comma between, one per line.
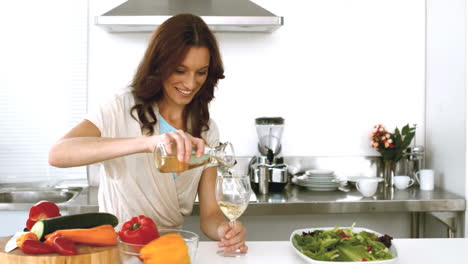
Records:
x=267, y=170
x=414, y=161
x=219, y=15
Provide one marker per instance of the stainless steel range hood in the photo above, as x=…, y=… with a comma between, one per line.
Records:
x=220, y=15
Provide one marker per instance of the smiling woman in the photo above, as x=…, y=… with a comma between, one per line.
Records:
x=165, y=105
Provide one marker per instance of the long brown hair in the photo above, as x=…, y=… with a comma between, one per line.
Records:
x=166, y=50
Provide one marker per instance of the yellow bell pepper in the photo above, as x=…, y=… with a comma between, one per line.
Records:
x=167, y=249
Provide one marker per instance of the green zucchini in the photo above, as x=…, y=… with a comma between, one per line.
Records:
x=87, y=220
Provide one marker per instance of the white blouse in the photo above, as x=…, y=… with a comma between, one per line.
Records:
x=131, y=185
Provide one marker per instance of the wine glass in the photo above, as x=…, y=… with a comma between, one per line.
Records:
x=233, y=195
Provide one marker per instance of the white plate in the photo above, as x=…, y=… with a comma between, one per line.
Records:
x=328, y=186
x=331, y=184
x=355, y=230
x=308, y=178
x=322, y=189
x=313, y=178
x=321, y=172
x=319, y=181
x=318, y=185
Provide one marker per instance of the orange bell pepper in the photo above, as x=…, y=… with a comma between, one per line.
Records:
x=20, y=240
x=167, y=249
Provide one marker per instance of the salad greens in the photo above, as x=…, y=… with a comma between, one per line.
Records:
x=342, y=244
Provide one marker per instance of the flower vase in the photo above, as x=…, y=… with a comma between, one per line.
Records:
x=388, y=173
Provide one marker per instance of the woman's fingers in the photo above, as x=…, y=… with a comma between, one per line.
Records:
x=188, y=146
x=241, y=246
x=244, y=248
x=234, y=238
x=199, y=144
x=236, y=230
x=180, y=143
x=177, y=145
x=163, y=140
x=180, y=139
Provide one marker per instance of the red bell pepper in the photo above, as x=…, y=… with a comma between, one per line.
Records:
x=31, y=246
x=64, y=246
x=139, y=230
x=50, y=239
x=42, y=210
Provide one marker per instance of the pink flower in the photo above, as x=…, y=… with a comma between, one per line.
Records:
x=388, y=135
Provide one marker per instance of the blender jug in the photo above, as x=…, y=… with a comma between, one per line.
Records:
x=269, y=132
x=267, y=170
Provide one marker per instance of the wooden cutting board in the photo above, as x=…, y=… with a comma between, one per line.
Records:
x=86, y=254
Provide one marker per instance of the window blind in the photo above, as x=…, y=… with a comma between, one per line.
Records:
x=43, y=86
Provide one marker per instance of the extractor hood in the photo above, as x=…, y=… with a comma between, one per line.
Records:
x=220, y=15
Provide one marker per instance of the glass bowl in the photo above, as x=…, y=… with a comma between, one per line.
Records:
x=130, y=253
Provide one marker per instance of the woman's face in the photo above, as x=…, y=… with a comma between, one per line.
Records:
x=188, y=77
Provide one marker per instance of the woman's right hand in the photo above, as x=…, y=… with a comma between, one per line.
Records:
x=178, y=141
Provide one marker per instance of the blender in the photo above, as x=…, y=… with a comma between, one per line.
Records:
x=267, y=170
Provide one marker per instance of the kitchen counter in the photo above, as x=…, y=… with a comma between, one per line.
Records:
x=298, y=200
x=427, y=251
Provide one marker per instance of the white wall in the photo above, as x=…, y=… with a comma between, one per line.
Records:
x=446, y=94
x=42, y=85
x=333, y=71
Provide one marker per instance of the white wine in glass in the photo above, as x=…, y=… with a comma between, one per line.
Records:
x=233, y=195
x=232, y=211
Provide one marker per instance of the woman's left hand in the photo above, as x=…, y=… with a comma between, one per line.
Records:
x=232, y=239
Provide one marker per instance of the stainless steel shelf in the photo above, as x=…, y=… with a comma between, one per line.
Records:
x=299, y=200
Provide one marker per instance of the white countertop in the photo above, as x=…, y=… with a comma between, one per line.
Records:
x=410, y=251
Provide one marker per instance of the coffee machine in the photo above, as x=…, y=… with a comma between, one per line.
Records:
x=267, y=170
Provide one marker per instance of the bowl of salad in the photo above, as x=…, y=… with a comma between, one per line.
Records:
x=343, y=245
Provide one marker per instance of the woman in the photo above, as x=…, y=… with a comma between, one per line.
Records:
x=166, y=103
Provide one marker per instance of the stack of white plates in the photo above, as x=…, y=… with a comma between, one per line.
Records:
x=318, y=180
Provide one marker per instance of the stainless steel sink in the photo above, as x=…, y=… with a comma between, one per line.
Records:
x=34, y=195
